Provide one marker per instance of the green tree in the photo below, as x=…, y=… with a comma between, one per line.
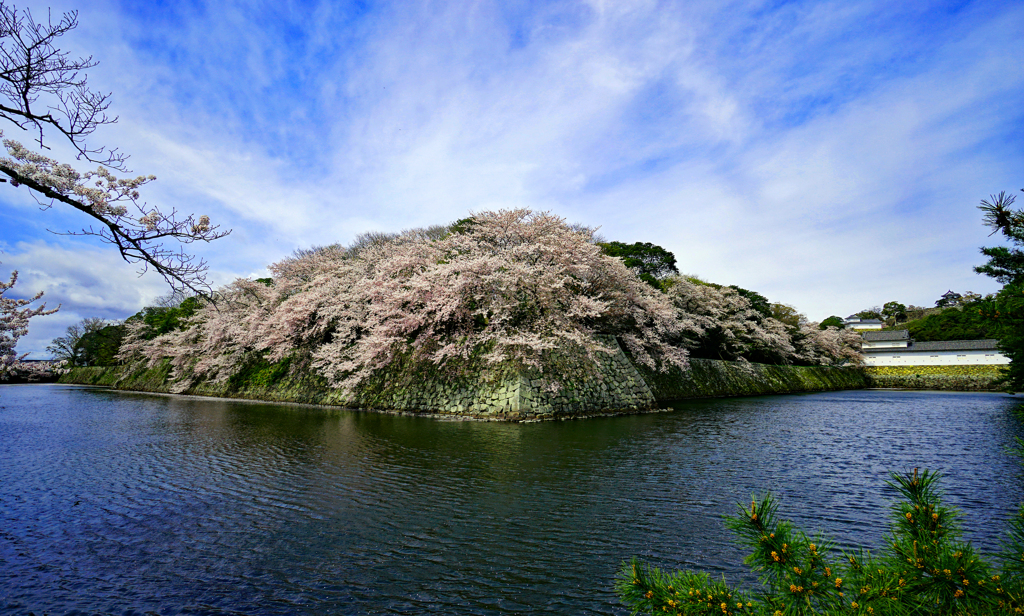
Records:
x=69, y=346
x=894, y=312
x=1006, y=264
x=100, y=347
x=870, y=313
x=649, y=262
x=833, y=321
x=788, y=315
x=164, y=319
x=970, y=322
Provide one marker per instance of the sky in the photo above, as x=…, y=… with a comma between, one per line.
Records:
x=829, y=155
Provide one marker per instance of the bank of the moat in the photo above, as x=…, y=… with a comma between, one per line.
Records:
x=942, y=378
x=618, y=386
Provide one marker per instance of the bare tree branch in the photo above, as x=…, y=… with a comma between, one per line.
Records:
x=42, y=89
x=31, y=66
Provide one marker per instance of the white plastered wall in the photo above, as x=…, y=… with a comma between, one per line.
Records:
x=936, y=358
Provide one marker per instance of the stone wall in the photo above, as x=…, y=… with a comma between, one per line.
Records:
x=709, y=378
x=953, y=378
x=616, y=387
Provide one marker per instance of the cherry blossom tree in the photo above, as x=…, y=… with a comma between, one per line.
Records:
x=14, y=317
x=831, y=346
x=512, y=286
x=725, y=325
x=507, y=288
x=43, y=90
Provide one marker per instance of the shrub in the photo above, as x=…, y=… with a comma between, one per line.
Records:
x=924, y=568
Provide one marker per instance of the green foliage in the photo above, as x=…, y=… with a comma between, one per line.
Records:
x=788, y=315
x=757, y=301
x=1012, y=554
x=649, y=262
x=462, y=225
x=870, y=313
x=1007, y=312
x=100, y=347
x=649, y=590
x=1007, y=266
x=258, y=373
x=832, y=321
x=971, y=322
x=924, y=568
x=68, y=348
x=895, y=312
x=1004, y=264
x=162, y=320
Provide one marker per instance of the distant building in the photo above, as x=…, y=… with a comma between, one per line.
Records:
x=859, y=324
x=893, y=339
x=897, y=348
x=949, y=298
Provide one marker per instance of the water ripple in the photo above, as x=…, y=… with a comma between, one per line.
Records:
x=118, y=503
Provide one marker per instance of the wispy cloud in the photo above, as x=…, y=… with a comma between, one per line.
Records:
x=84, y=282
x=826, y=154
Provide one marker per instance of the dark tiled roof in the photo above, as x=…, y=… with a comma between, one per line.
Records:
x=955, y=345
x=900, y=334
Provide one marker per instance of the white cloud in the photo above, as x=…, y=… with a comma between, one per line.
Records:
x=84, y=281
x=825, y=154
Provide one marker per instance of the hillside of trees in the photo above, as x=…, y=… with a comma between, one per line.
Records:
x=512, y=287
x=954, y=317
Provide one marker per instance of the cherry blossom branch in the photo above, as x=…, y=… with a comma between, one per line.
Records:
x=137, y=231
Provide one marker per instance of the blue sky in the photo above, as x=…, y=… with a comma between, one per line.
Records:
x=829, y=155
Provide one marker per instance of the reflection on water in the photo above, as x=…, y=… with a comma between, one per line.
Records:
x=113, y=502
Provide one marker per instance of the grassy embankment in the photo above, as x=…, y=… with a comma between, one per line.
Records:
x=949, y=378
x=276, y=382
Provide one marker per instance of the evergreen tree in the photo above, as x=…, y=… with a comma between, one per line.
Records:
x=833, y=321
x=923, y=568
x=968, y=323
x=651, y=263
x=1006, y=264
x=895, y=312
x=100, y=347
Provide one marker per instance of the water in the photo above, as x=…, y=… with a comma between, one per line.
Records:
x=134, y=504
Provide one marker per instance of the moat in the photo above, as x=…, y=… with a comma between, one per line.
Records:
x=129, y=503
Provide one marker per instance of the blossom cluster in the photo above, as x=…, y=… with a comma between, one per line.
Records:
x=21, y=371
x=14, y=317
x=125, y=220
x=724, y=323
x=511, y=286
x=100, y=190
